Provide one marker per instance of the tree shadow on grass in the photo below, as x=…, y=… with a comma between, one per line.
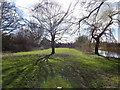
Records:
x=30, y=74
x=44, y=63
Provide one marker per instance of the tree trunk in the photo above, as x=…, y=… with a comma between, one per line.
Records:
x=97, y=46
x=53, y=49
x=53, y=45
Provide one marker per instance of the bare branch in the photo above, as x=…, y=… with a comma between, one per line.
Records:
x=91, y=13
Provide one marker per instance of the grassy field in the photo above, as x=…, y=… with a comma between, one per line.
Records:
x=68, y=68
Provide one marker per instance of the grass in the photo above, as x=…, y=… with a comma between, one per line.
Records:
x=47, y=51
x=68, y=68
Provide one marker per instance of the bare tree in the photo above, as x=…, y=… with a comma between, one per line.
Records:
x=52, y=19
x=99, y=22
x=10, y=17
x=35, y=31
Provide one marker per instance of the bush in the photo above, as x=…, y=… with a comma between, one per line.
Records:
x=83, y=44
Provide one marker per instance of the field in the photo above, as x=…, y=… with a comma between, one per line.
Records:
x=68, y=68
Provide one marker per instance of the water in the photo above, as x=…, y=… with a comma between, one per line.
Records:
x=109, y=54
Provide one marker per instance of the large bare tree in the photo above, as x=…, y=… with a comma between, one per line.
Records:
x=100, y=18
x=52, y=19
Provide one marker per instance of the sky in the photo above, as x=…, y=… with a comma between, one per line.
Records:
x=26, y=5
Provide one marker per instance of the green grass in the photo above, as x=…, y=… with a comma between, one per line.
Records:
x=68, y=68
x=47, y=51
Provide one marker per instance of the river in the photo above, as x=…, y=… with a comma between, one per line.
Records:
x=109, y=54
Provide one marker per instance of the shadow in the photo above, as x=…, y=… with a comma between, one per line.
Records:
x=44, y=64
x=43, y=59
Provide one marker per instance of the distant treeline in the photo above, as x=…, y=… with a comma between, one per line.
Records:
x=65, y=45
x=111, y=47
x=20, y=42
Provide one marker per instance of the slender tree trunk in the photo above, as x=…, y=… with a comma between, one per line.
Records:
x=53, y=45
x=97, y=46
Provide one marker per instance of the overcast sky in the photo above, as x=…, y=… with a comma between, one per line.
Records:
x=26, y=5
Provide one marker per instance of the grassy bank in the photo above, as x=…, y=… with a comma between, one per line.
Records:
x=68, y=68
